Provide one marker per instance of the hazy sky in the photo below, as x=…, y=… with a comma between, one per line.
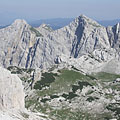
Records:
x=42, y=9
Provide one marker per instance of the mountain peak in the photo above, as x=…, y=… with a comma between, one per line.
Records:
x=83, y=16
x=86, y=20
x=46, y=27
x=18, y=22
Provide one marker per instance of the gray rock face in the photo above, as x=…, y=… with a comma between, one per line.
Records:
x=25, y=46
x=44, y=29
x=114, y=36
x=15, y=43
x=11, y=91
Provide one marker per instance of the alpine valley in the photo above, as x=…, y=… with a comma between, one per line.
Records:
x=72, y=73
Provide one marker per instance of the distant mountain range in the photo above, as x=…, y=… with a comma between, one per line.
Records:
x=3, y=26
x=57, y=23
x=61, y=22
x=109, y=22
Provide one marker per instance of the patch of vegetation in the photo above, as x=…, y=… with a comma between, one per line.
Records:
x=65, y=95
x=104, y=116
x=69, y=96
x=25, y=115
x=75, y=88
x=115, y=107
x=109, y=96
x=30, y=102
x=68, y=114
x=91, y=77
x=54, y=96
x=89, y=92
x=62, y=83
x=26, y=79
x=115, y=87
x=106, y=76
x=90, y=99
x=34, y=105
x=17, y=70
x=28, y=70
x=44, y=100
x=59, y=71
x=80, y=86
x=38, y=34
x=46, y=80
x=66, y=79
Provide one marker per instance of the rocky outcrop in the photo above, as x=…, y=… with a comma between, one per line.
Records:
x=11, y=91
x=12, y=105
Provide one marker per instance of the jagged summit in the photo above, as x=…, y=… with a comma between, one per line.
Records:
x=45, y=26
x=19, y=22
x=44, y=29
x=86, y=21
x=82, y=16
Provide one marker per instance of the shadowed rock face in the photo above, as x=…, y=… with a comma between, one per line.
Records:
x=90, y=36
x=28, y=47
x=114, y=36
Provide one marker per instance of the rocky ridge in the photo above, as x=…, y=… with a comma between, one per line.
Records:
x=28, y=47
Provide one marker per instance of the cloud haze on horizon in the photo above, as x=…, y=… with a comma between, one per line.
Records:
x=44, y=9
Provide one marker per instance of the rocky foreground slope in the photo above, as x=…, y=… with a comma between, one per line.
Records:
x=12, y=104
x=69, y=94
x=83, y=41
